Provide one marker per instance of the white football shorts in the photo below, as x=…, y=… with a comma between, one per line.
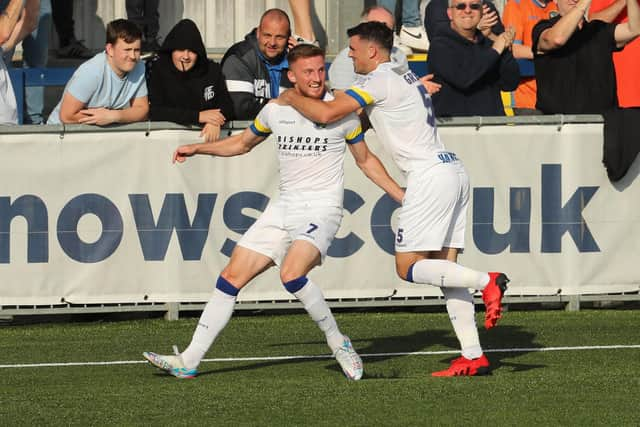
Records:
x=434, y=209
x=316, y=221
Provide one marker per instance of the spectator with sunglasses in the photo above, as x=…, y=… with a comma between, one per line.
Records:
x=437, y=20
x=471, y=67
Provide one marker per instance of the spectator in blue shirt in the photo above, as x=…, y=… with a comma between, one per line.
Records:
x=110, y=87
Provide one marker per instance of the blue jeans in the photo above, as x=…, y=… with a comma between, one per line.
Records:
x=35, y=53
x=410, y=11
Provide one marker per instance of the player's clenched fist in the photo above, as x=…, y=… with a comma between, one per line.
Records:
x=184, y=151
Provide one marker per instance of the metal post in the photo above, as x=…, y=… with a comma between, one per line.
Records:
x=573, y=303
x=173, y=311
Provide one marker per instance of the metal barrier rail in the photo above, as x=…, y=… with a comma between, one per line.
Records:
x=22, y=78
x=148, y=126
x=172, y=310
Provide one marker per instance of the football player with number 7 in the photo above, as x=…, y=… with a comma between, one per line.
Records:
x=431, y=222
x=296, y=229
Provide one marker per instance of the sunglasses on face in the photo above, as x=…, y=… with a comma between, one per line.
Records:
x=472, y=6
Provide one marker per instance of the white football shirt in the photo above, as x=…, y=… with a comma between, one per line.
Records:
x=401, y=113
x=311, y=156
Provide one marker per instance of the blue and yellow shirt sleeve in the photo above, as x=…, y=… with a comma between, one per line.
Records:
x=356, y=135
x=259, y=129
x=364, y=98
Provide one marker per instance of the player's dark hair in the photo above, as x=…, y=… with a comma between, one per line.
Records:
x=376, y=32
x=123, y=29
x=302, y=51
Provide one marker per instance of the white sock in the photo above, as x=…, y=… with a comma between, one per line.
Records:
x=311, y=296
x=443, y=273
x=214, y=318
x=463, y=319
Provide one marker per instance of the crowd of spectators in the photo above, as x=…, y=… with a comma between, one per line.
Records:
x=475, y=58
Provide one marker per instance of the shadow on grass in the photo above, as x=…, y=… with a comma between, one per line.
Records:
x=501, y=338
x=381, y=349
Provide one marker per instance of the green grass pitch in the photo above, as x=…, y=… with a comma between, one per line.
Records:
x=573, y=386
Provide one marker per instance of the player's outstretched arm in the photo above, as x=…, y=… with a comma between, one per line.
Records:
x=233, y=145
x=317, y=110
x=375, y=170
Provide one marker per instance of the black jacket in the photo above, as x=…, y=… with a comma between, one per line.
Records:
x=471, y=74
x=248, y=77
x=179, y=96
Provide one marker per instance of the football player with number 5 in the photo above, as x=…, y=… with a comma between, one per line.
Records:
x=431, y=223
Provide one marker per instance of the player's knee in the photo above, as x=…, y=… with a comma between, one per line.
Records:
x=231, y=277
x=226, y=287
x=404, y=272
x=288, y=273
x=401, y=270
x=294, y=285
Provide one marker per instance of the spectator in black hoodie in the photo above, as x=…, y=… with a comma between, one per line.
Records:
x=185, y=86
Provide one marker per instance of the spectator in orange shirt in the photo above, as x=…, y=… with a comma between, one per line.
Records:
x=523, y=15
x=626, y=61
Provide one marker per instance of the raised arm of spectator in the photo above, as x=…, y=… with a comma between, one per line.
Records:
x=27, y=23
x=629, y=30
x=509, y=69
x=609, y=13
x=9, y=18
x=557, y=36
x=513, y=19
x=520, y=51
x=489, y=22
x=246, y=105
x=435, y=18
x=498, y=27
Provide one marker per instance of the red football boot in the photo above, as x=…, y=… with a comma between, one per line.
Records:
x=492, y=297
x=465, y=367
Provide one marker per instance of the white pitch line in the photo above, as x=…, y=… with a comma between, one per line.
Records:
x=327, y=356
